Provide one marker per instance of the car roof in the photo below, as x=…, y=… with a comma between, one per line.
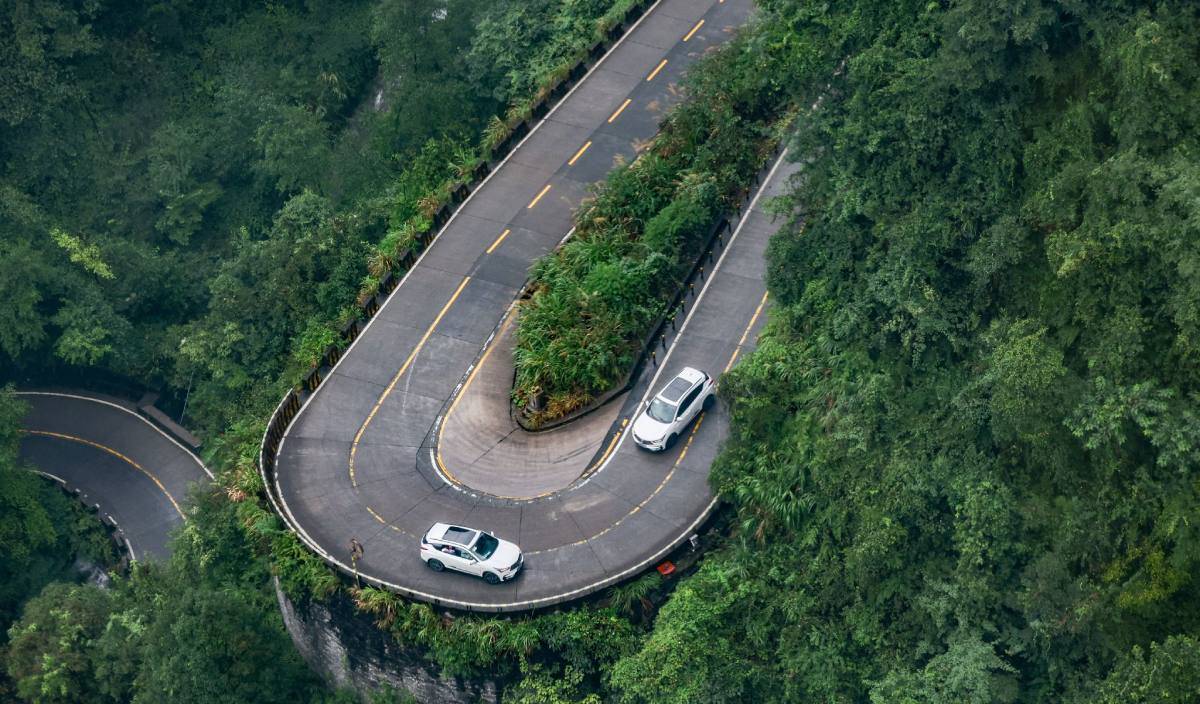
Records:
x=453, y=534
x=683, y=381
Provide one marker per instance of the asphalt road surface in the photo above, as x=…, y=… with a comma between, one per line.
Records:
x=361, y=458
x=137, y=473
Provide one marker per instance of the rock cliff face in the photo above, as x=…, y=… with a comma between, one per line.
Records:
x=347, y=650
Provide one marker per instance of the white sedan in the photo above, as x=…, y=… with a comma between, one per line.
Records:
x=673, y=408
x=477, y=552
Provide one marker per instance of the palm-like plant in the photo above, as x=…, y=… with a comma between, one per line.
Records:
x=430, y=203
x=633, y=598
x=495, y=132
x=382, y=604
x=463, y=161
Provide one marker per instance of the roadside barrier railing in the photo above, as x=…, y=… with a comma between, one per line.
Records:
x=289, y=407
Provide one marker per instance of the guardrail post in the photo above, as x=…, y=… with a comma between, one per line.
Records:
x=313, y=380
x=350, y=329
x=440, y=217
x=331, y=356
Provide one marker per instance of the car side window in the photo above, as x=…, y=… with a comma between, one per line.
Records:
x=687, y=400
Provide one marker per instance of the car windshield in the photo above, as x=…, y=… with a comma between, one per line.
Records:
x=485, y=546
x=661, y=411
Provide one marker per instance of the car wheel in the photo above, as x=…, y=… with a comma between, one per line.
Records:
x=709, y=400
x=491, y=578
x=435, y=565
x=670, y=441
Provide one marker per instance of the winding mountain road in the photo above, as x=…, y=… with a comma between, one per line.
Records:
x=404, y=431
x=116, y=458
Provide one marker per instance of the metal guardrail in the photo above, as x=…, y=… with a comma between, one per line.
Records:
x=715, y=243
x=113, y=529
x=289, y=407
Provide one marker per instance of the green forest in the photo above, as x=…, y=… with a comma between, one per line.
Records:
x=964, y=461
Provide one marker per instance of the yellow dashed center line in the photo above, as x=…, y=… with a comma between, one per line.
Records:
x=648, y=499
x=118, y=455
x=655, y=71
x=408, y=362
x=498, y=240
x=621, y=109
x=746, y=332
x=694, y=30
x=612, y=443
x=376, y=515
x=682, y=453
x=579, y=153
x=538, y=197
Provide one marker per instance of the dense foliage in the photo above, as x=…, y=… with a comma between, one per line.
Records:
x=190, y=193
x=202, y=627
x=42, y=532
x=594, y=300
x=964, y=457
x=963, y=460
x=197, y=197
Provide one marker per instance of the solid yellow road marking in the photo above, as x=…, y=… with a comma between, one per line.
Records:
x=118, y=455
x=694, y=30
x=387, y=392
x=621, y=109
x=655, y=71
x=746, y=332
x=579, y=153
x=538, y=197
x=498, y=240
x=608, y=451
x=463, y=392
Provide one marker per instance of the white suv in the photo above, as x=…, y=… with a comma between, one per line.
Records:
x=673, y=408
x=472, y=551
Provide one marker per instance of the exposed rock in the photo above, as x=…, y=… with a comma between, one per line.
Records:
x=346, y=649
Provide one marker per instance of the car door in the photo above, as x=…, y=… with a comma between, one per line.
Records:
x=472, y=564
x=687, y=407
x=457, y=559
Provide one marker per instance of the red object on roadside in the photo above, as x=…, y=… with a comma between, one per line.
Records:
x=666, y=568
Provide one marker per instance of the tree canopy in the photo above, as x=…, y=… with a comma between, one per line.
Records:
x=964, y=457
x=962, y=464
